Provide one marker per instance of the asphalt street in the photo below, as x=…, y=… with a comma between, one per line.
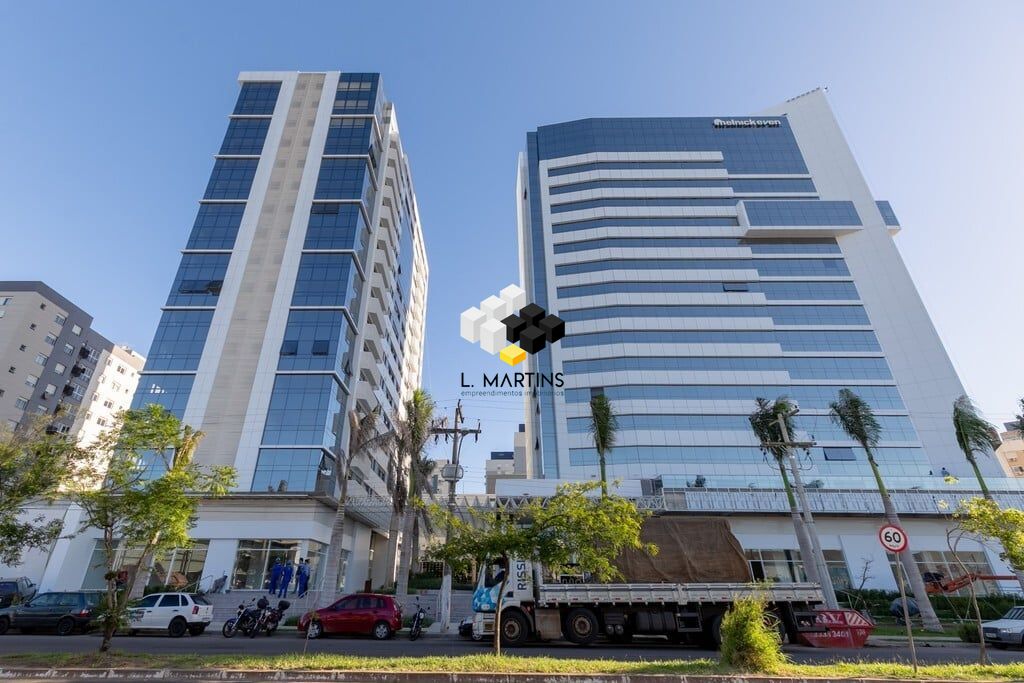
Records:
x=289, y=642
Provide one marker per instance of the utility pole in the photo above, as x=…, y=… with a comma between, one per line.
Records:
x=818, y=556
x=451, y=473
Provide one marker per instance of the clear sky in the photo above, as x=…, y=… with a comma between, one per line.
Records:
x=110, y=114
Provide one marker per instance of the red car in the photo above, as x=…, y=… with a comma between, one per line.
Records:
x=365, y=614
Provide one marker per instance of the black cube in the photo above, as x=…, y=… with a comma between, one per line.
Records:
x=532, y=313
x=553, y=328
x=514, y=326
x=531, y=339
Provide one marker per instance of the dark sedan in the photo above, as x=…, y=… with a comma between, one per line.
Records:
x=61, y=612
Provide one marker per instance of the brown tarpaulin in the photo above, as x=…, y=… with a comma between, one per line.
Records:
x=690, y=550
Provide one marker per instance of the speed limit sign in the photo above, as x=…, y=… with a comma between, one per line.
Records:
x=893, y=538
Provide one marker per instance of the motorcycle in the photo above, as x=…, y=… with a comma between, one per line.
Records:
x=269, y=618
x=245, y=619
x=416, y=628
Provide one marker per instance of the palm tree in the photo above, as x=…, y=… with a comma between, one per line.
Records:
x=603, y=425
x=362, y=436
x=764, y=421
x=853, y=414
x=412, y=432
x=974, y=434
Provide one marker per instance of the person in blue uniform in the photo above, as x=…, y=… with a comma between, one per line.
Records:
x=302, y=578
x=275, y=575
x=286, y=579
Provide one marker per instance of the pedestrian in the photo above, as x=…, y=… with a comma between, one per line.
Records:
x=286, y=579
x=275, y=575
x=302, y=579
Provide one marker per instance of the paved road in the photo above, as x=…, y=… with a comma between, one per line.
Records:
x=286, y=642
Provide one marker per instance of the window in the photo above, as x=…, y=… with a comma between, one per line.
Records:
x=60, y=319
x=120, y=369
x=149, y=601
x=30, y=381
x=839, y=453
x=69, y=349
x=21, y=403
x=231, y=179
x=199, y=280
x=108, y=403
x=50, y=339
x=22, y=347
x=280, y=470
x=172, y=600
x=245, y=136
x=59, y=368
x=101, y=421
x=216, y=226
x=257, y=98
x=58, y=427
x=735, y=287
x=76, y=330
x=41, y=358
x=4, y=300
x=12, y=369
x=115, y=386
x=49, y=391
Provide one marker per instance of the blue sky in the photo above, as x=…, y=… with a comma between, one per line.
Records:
x=111, y=112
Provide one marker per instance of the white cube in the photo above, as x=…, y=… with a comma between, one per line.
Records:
x=495, y=308
x=515, y=296
x=470, y=322
x=492, y=336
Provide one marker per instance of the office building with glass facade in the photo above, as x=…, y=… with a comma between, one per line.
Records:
x=700, y=263
x=300, y=296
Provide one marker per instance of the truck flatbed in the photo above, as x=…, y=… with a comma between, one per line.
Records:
x=556, y=594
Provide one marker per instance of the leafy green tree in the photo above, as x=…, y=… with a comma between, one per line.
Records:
x=974, y=434
x=364, y=435
x=569, y=532
x=412, y=432
x=603, y=427
x=1006, y=525
x=148, y=499
x=764, y=422
x=33, y=467
x=855, y=416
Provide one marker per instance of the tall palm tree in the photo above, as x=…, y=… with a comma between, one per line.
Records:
x=362, y=436
x=603, y=426
x=764, y=421
x=412, y=432
x=853, y=414
x=974, y=434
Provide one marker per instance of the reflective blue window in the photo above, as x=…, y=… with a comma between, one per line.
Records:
x=216, y=226
x=257, y=98
x=782, y=315
x=231, y=179
x=317, y=340
x=305, y=410
x=337, y=226
x=794, y=246
x=798, y=368
x=709, y=455
x=894, y=428
x=812, y=212
x=888, y=215
x=343, y=179
x=796, y=291
x=753, y=185
x=178, y=343
x=199, y=280
x=245, y=136
x=293, y=470
x=619, y=222
x=631, y=166
x=745, y=150
x=806, y=266
x=789, y=340
x=357, y=93
x=639, y=201
x=327, y=280
x=809, y=396
x=169, y=391
x=349, y=136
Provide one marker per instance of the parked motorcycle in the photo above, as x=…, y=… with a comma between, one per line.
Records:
x=269, y=618
x=416, y=628
x=245, y=619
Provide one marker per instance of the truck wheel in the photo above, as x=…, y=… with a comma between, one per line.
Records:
x=713, y=633
x=581, y=626
x=514, y=629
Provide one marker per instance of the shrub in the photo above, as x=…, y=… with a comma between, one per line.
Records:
x=749, y=641
x=968, y=632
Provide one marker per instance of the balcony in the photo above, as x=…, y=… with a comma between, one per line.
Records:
x=373, y=511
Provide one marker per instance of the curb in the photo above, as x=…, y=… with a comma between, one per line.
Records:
x=406, y=676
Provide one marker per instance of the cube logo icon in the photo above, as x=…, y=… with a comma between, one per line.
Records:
x=510, y=327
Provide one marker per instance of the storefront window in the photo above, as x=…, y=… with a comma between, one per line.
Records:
x=785, y=566
x=941, y=566
x=254, y=558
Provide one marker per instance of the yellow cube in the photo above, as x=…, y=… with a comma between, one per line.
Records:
x=513, y=355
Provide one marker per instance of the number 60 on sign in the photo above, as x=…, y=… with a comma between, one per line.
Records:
x=893, y=538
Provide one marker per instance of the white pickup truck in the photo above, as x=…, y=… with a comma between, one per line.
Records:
x=583, y=612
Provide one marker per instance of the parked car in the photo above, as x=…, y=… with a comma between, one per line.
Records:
x=16, y=591
x=360, y=614
x=6, y=614
x=1007, y=631
x=61, y=611
x=175, y=613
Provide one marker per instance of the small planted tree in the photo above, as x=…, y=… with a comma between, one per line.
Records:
x=985, y=518
x=33, y=467
x=603, y=427
x=750, y=641
x=572, y=531
x=148, y=500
